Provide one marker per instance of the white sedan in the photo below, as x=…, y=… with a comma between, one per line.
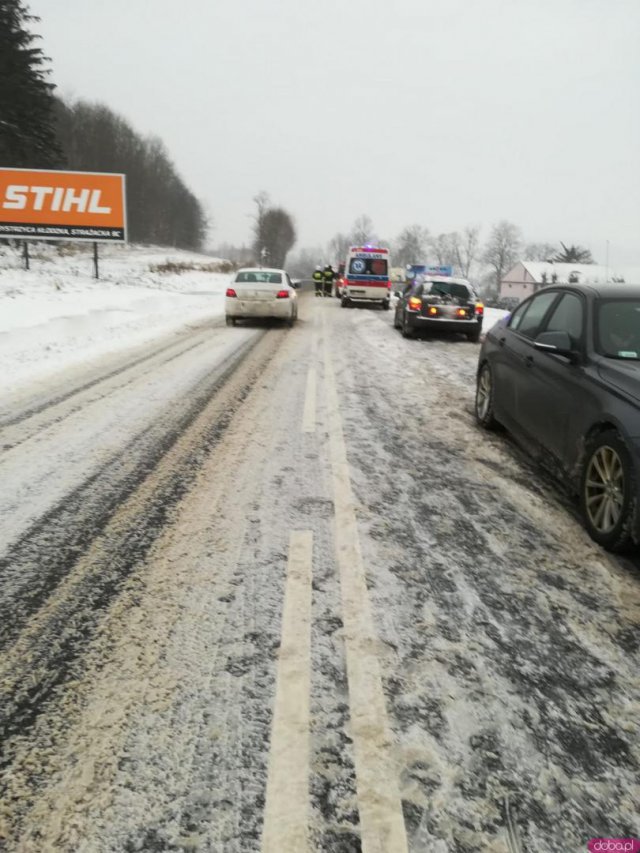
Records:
x=256, y=293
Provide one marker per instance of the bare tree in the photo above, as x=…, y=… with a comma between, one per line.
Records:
x=411, y=245
x=338, y=247
x=445, y=248
x=467, y=249
x=261, y=201
x=502, y=249
x=539, y=251
x=362, y=231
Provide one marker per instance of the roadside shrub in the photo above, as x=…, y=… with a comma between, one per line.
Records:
x=178, y=267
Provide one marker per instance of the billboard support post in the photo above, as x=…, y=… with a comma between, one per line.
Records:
x=25, y=253
x=96, y=271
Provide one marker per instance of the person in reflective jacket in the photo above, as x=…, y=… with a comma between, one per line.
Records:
x=329, y=275
x=318, y=279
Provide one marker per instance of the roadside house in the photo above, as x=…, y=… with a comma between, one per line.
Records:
x=527, y=277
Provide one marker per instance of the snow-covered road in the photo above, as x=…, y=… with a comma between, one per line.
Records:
x=273, y=590
x=70, y=455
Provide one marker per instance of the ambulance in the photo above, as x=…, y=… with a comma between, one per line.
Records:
x=366, y=276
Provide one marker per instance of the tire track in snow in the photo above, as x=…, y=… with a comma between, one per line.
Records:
x=507, y=678
x=46, y=552
x=65, y=613
x=23, y=430
x=41, y=404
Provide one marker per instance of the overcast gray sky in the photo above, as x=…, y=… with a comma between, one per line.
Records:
x=438, y=112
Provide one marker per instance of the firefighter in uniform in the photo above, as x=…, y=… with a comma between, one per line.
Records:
x=318, y=280
x=329, y=275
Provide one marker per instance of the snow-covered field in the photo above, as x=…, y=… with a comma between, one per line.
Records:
x=57, y=315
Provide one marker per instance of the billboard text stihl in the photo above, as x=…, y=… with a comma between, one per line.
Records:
x=41, y=205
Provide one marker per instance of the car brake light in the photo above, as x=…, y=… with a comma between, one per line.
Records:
x=414, y=303
x=231, y=292
x=480, y=308
x=433, y=310
x=282, y=294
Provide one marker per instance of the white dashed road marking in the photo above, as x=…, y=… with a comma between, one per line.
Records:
x=286, y=819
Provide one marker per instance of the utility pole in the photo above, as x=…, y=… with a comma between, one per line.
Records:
x=607, y=263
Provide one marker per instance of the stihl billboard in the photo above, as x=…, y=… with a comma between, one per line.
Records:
x=41, y=205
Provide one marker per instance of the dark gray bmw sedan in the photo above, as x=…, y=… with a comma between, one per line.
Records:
x=562, y=373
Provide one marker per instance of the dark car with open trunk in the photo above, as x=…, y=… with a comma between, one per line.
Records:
x=439, y=304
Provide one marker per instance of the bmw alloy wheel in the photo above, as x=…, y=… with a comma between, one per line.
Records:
x=483, y=393
x=604, y=489
x=485, y=390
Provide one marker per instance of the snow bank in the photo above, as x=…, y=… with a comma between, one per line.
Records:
x=57, y=315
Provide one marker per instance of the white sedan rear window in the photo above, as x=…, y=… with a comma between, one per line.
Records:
x=259, y=275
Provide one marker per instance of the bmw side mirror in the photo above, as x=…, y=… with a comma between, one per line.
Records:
x=557, y=343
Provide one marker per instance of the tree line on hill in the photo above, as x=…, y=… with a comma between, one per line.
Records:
x=160, y=207
x=39, y=130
